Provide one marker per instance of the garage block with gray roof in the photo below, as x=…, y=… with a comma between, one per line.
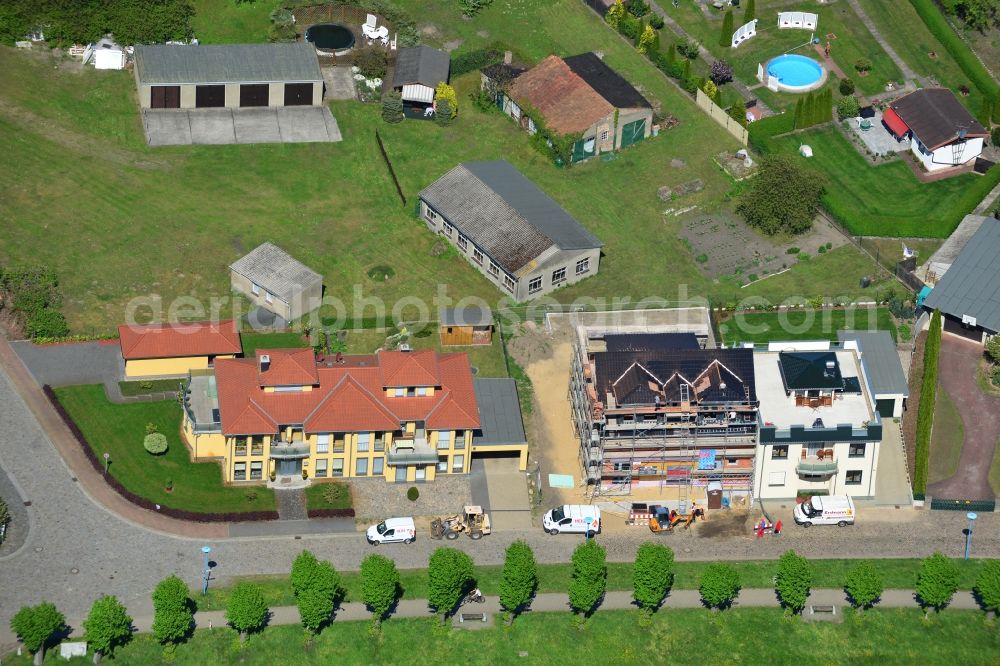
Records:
x=884, y=368
x=275, y=281
x=510, y=230
x=501, y=427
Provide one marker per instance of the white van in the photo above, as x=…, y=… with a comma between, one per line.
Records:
x=392, y=530
x=825, y=510
x=573, y=518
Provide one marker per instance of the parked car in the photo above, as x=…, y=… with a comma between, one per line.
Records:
x=573, y=518
x=392, y=530
x=825, y=510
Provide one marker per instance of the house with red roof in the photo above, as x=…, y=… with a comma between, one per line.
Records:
x=173, y=350
x=404, y=416
x=942, y=132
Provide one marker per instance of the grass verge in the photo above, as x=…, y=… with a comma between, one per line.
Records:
x=995, y=471
x=946, y=440
x=253, y=341
x=148, y=386
x=804, y=324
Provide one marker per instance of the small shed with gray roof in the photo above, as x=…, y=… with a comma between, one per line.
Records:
x=228, y=75
x=510, y=230
x=501, y=427
x=884, y=369
x=417, y=73
x=969, y=293
x=466, y=326
x=273, y=280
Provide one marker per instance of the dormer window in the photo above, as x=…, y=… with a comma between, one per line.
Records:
x=421, y=391
x=399, y=392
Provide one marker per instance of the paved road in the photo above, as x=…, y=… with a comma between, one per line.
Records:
x=980, y=416
x=77, y=550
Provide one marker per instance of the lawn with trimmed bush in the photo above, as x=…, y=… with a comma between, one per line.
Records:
x=328, y=495
x=283, y=340
x=145, y=387
x=803, y=324
x=119, y=430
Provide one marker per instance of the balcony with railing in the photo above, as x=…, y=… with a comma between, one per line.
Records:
x=285, y=450
x=201, y=402
x=411, y=451
x=821, y=464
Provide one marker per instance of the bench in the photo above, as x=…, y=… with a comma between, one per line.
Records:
x=829, y=609
x=469, y=617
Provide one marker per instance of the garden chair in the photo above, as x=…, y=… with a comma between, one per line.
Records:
x=371, y=21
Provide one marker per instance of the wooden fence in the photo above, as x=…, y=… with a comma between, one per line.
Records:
x=716, y=113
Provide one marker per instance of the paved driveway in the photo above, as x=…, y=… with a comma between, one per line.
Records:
x=980, y=416
x=71, y=364
x=302, y=124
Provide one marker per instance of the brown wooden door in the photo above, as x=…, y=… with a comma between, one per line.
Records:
x=165, y=97
x=210, y=97
x=254, y=94
x=298, y=94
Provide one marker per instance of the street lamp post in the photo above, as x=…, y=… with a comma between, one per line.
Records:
x=107, y=461
x=206, y=572
x=968, y=533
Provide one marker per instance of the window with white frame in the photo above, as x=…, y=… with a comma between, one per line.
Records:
x=508, y=283
x=463, y=242
x=535, y=285
x=378, y=466
x=494, y=268
x=857, y=450
x=323, y=443
x=776, y=479
x=854, y=477
x=240, y=471
x=779, y=452
x=443, y=464
x=255, y=289
x=448, y=229
x=338, y=467
x=477, y=255
x=444, y=439
x=363, y=439
x=361, y=467
x=321, y=468
x=268, y=297
x=380, y=441
x=458, y=463
x=430, y=214
x=583, y=266
x=558, y=275
x=257, y=470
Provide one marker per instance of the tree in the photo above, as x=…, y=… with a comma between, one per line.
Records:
x=371, y=62
x=646, y=39
x=652, y=575
x=519, y=579
x=848, y=107
x=937, y=582
x=783, y=197
x=36, y=625
x=721, y=72
x=793, y=581
x=846, y=87
x=993, y=348
x=246, y=610
x=445, y=93
x=443, y=115
x=711, y=90
x=799, y=113
x=172, y=615
x=720, y=583
x=738, y=111
x=449, y=572
x=379, y=585
x=590, y=574
x=864, y=585
x=750, y=12
x=473, y=7
x=987, y=586
x=315, y=585
x=615, y=14
x=392, y=107
x=107, y=626
x=726, y=36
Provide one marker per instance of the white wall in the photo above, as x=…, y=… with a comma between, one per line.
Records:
x=942, y=157
x=766, y=486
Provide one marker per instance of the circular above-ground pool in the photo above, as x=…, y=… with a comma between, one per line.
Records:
x=796, y=73
x=330, y=38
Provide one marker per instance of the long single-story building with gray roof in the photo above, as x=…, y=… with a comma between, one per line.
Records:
x=275, y=281
x=884, y=369
x=510, y=230
x=227, y=76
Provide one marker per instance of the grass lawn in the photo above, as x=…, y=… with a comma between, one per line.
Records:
x=890, y=250
x=853, y=41
x=886, y=199
x=804, y=324
x=181, y=215
x=897, y=574
x=149, y=386
x=946, y=438
x=229, y=22
x=253, y=341
x=119, y=430
x=690, y=636
x=330, y=495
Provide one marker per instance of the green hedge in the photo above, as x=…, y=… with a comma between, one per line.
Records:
x=959, y=50
x=470, y=61
x=925, y=414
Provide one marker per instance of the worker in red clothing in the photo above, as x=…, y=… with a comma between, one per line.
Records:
x=777, y=528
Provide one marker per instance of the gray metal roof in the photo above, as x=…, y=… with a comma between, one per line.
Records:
x=499, y=413
x=420, y=64
x=504, y=213
x=472, y=316
x=878, y=353
x=273, y=269
x=972, y=284
x=227, y=63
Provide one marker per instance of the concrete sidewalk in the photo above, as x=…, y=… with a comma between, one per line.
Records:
x=559, y=603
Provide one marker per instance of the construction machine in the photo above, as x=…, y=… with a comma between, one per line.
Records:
x=473, y=521
x=662, y=519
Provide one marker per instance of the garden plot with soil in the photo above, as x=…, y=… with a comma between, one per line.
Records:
x=723, y=245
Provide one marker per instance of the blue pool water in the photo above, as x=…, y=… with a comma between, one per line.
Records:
x=795, y=71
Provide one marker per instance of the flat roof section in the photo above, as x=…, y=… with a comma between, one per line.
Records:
x=499, y=413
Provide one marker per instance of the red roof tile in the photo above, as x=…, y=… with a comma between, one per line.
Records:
x=405, y=369
x=288, y=367
x=203, y=338
x=349, y=396
x=566, y=102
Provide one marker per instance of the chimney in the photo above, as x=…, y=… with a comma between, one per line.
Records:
x=265, y=362
x=722, y=386
x=508, y=57
x=830, y=365
x=599, y=54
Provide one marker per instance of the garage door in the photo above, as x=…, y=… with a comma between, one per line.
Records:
x=254, y=94
x=885, y=407
x=298, y=94
x=207, y=97
x=956, y=327
x=165, y=97
x=633, y=132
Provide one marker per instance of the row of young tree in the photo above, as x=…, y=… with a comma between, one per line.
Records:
x=451, y=576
